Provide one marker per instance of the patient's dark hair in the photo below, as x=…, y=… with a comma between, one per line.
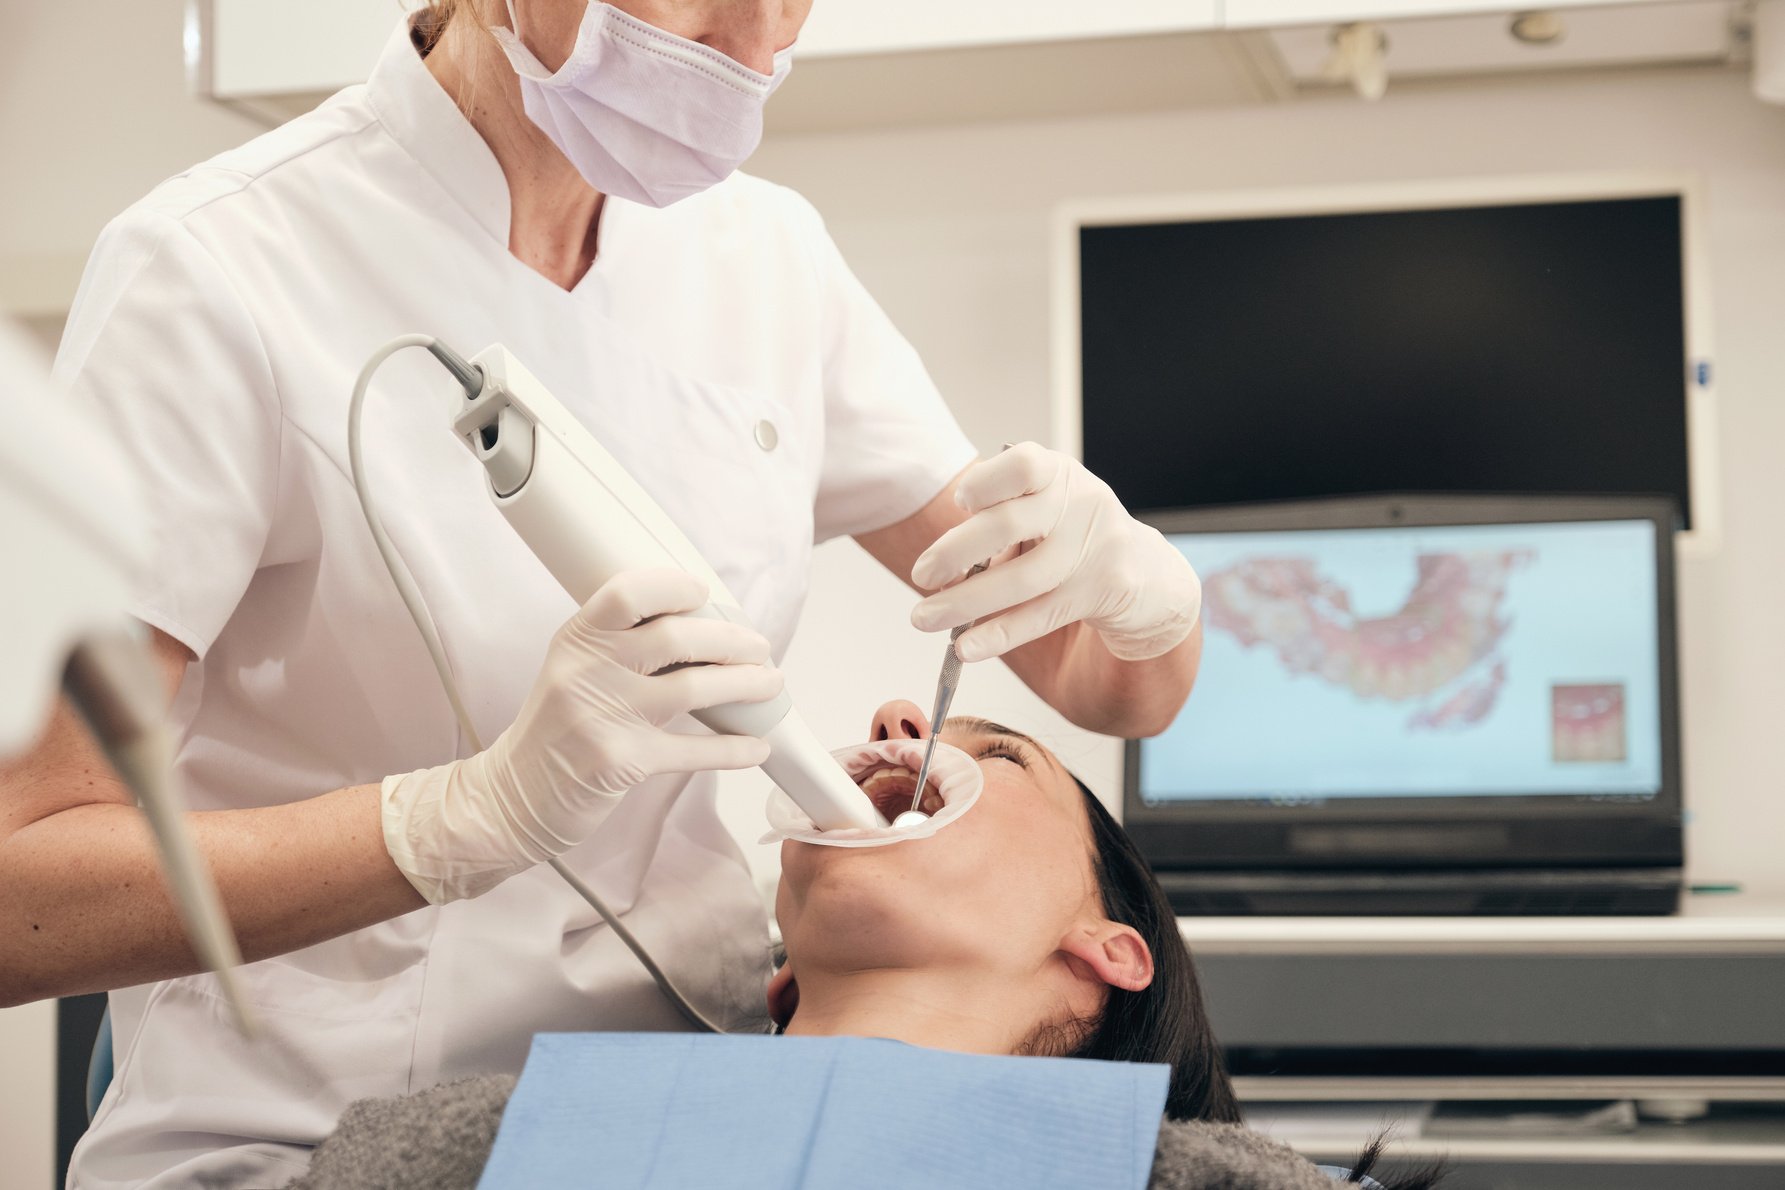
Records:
x=1164, y=1021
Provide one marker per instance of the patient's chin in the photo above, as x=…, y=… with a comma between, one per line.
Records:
x=867, y=905
x=844, y=922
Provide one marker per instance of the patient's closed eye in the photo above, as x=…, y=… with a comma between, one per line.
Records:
x=1001, y=752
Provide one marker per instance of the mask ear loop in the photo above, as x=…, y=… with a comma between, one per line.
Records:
x=525, y=62
x=783, y=66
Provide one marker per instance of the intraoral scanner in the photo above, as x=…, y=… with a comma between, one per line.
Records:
x=587, y=519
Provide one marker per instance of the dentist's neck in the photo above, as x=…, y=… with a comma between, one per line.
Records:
x=936, y=1010
x=553, y=213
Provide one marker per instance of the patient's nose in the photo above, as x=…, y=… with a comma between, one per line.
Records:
x=899, y=719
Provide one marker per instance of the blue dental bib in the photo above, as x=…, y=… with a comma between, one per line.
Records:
x=672, y=1110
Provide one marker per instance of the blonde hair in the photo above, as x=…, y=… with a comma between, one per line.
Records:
x=428, y=24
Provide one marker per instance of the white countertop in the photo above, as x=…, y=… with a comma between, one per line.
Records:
x=1718, y=923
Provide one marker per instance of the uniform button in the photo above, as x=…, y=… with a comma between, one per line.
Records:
x=766, y=435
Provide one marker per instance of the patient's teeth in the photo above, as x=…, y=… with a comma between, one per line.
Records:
x=885, y=775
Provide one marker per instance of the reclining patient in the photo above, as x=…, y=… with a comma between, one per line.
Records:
x=1029, y=926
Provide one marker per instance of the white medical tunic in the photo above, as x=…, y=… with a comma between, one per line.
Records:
x=720, y=349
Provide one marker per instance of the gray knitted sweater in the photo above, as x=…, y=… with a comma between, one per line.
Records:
x=440, y=1139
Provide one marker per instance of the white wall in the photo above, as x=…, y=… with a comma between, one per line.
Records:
x=949, y=229
x=93, y=112
x=27, y=1096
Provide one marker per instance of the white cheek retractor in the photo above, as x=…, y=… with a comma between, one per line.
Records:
x=956, y=776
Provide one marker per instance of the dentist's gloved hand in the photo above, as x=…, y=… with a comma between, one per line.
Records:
x=1063, y=549
x=591, y=728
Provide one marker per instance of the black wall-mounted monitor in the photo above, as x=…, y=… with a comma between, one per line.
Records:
x=1505, y=348
x=1422, y=682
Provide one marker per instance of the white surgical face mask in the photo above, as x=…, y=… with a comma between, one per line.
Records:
x=644, y=115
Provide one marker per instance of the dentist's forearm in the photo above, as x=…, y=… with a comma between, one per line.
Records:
x=1078, y=676
x=83, y=903
x=84, y=906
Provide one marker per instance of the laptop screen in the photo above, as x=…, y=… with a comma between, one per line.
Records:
x=1449, y=661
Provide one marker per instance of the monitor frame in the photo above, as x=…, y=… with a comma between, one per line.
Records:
x=1704, y=538
x=1445, y=830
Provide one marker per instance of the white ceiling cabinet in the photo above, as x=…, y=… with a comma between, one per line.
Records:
x=866, y=63
x=1262, y=14
x=875, y=63
x=854, y=27
x=862, y=62
x=1675, y=31
x=252, y=50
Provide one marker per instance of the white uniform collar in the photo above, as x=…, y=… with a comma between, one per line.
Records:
x=422, y=118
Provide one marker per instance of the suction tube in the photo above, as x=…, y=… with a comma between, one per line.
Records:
x=587, y=519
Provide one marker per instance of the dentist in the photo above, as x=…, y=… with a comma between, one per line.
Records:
x=558, y=175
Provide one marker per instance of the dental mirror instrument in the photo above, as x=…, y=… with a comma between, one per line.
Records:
x=945, y=688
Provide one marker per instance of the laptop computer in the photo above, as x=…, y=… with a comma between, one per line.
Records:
x=1423, y=705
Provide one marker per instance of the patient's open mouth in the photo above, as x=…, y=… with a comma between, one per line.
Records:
x=889, y=787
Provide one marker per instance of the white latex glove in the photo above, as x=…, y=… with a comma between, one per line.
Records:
x=591, y=728
x=1063, y=549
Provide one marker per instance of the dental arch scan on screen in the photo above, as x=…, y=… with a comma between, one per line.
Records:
x=1467, y=661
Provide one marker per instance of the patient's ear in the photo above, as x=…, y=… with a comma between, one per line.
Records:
x=1114, y=953
x=784, y=995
